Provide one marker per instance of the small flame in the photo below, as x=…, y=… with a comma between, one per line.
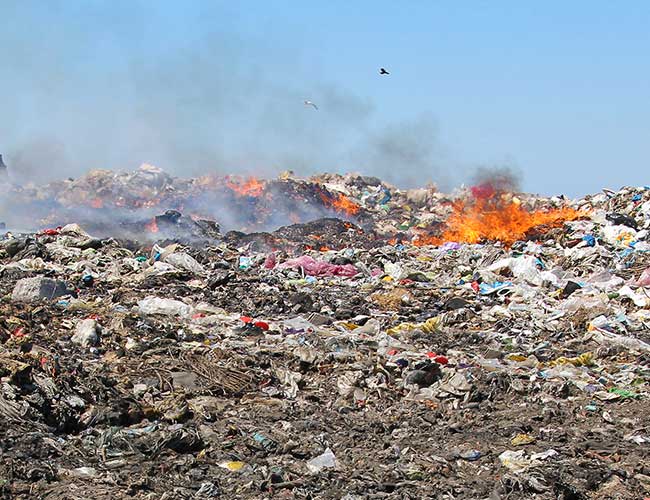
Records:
x=97, y=203
x=340, y=203
x=152, y=226
x=251, y=187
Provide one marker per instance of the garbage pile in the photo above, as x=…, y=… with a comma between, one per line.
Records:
x=353, y=355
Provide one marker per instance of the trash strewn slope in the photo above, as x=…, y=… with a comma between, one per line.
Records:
x=355, y=354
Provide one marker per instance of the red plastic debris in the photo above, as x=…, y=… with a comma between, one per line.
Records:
x=392, y=352
x=52, y=232
x=270, y=261
x=438, y=358
x=19, y=332
x=262, y=325
x=246, y=319
x=475, y=286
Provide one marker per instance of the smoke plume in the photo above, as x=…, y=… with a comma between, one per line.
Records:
x=89, y=94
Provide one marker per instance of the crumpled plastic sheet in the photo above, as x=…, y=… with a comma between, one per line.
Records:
x=313, y=267
x=644, y=279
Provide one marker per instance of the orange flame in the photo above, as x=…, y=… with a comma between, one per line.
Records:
x=493, y=219
x=249, y=187
x=340, y=203
x=96, y=203
x=152, y=226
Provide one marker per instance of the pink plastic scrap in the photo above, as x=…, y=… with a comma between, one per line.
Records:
x=313, y=267
x=270, y=261
x=644, y=279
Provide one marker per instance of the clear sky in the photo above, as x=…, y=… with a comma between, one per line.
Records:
x=557, y=91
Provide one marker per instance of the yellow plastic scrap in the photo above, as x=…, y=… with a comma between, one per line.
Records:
x=516, y=357
x=522, y=439
x=585, y=359
x=233, y=466
x=429, y=326
x=625, y=238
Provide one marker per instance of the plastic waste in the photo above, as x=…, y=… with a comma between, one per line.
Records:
x=589, y=239
x=270, y=261
x=619, y=236
x=166, y=307
x=470, y=455
x=312, y=267
x=600, y=334
x=644, y=279
x=324, y=461
x=233, y=466
x=519, y=461
x=86, y=333
x=184, y=261
x=522, y=439
x=429, y=326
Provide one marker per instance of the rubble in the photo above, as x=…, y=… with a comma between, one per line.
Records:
x=342, y=354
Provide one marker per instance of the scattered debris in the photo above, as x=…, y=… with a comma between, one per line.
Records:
x=351, y=352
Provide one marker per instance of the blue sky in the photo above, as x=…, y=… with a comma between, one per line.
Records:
x=557, y=91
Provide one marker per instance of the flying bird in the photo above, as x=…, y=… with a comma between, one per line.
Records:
x=382, y=71
x=309, y=103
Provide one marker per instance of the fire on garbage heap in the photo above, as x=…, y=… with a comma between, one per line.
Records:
x=330, y=337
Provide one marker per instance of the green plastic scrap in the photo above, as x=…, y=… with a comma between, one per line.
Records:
x=624, y=393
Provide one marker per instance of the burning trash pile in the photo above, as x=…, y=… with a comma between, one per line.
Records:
x=331, y=337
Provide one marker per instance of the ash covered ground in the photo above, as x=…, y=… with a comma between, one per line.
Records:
x=331, y=337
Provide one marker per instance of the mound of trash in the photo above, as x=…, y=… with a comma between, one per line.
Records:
x=334, y=337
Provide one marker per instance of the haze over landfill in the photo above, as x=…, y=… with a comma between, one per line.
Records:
x=324, y=251
x=554, y=92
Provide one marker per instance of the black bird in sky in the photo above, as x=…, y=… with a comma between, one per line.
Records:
x=382, y=71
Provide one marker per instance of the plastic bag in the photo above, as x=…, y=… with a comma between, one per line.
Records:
x=185, y=261
x=644, y=279
x=313, y=267
x=326, y=460
x=167, y=307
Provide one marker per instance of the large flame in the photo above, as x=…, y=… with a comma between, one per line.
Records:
x=251, y=186
x=494, y=216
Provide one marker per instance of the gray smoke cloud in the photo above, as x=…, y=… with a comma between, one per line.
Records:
x=501, y=177
x=207, y=104
x=406, y=154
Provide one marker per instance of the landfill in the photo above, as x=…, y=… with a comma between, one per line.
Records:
x=329, y=337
